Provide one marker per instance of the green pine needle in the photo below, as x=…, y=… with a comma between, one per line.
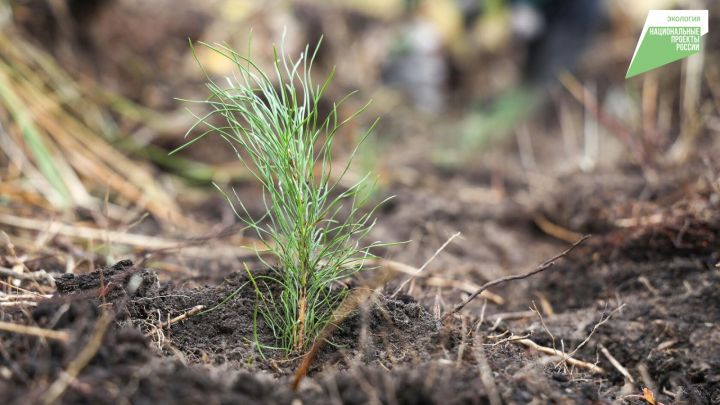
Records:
x=313, y=228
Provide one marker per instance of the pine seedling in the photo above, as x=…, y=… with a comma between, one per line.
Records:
x=311, y=227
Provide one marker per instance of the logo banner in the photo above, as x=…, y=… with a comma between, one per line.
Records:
x=667, y=36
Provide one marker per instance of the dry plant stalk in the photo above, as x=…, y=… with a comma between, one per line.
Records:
x=60, y=335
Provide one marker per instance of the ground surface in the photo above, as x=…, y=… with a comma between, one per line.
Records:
x=654, y=250
x=635, y=306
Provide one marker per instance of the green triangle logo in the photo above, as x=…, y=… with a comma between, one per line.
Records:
x=668, y=36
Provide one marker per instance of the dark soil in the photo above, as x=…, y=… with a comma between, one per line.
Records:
x=396, y=351
x=211, y=358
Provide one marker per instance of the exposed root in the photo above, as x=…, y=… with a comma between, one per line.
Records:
x=554, y=230
x=192, y=312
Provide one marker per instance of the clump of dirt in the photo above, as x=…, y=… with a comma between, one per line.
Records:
x=110, y=283
x=386, y=332
x=228, y=333
x=225, y=334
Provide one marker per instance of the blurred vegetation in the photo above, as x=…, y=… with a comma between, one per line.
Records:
x=90, y=90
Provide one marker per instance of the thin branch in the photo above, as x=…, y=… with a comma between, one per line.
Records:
x=554, y=352
x=602, y=321
x=542, y=322
x=32, y=276
x=418, y=271
x=544, y=266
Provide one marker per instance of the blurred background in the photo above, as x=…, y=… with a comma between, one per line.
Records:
x=500, y=93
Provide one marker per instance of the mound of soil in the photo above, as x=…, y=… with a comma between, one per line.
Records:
x=212, y=358
x=639, y=300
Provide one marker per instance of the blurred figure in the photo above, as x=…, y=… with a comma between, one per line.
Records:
x=549, y=36
x=557, y=33
x=418, y=65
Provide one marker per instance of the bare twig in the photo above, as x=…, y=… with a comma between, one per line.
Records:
x=542, y=322
x=466, y=286
x=555, y=230
x=433, y=281
x=542, y=267
x=418, y=271
x=20, y=289
x=511, y=315
x=62, y=336
x=567, y=359
x=647, y=220
x=619, y=367
x=30, y=296
x=602, y=321
x=511, y=338
x=6, y=304
x=482, y=315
